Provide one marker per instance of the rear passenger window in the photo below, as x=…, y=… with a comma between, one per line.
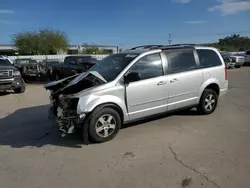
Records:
x=248, y=53
x=180, y=61
x=208, y=58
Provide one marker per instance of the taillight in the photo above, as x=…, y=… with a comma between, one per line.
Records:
x=225, y=73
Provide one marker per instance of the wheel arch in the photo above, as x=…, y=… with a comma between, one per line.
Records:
x=210, y=84
x=89, y=103
x=112, y=105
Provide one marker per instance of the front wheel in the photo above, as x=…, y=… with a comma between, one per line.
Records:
x=237, y=66
x=20, y=90
x=208, y=102
x=104, y=124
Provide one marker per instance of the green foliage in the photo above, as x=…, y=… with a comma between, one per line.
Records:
x=234, y=42
x=42, y=42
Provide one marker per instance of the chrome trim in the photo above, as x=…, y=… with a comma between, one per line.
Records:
x=7, y=79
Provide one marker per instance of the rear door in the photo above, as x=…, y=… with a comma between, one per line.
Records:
x=184, y=79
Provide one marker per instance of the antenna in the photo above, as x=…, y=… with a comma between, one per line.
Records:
x=169, y=38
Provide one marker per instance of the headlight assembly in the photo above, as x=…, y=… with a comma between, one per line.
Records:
x=17, y=73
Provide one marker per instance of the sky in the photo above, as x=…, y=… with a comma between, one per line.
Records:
x=127, y=23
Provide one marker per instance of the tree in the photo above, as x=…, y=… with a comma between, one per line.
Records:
x=234, y=42
x=42, y=42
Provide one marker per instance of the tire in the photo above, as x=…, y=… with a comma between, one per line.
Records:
x=20, y=90
x=105, y=132
x=238, y=66
x=212, y=97
x=57, y=76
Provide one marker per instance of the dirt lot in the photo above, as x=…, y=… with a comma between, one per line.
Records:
x=180, y=150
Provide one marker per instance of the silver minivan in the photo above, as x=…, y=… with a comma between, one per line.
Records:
x=135, y=84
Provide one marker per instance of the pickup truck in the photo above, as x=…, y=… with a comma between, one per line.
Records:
x=232, y=61
x=71, y=65
x=10, y=77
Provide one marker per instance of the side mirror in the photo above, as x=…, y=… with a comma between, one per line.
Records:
x=132, y=77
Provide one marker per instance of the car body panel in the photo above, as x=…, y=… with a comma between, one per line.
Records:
x=183, y=89
x=147, y=97
x=247, y=56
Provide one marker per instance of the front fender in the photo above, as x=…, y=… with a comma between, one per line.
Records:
x=89, y=103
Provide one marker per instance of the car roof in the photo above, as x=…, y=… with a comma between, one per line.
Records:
x=159, y=48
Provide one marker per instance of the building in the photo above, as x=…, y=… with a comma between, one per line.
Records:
x=10, y=50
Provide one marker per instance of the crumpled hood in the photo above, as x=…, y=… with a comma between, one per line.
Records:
x=75, y=83
x=54, y=85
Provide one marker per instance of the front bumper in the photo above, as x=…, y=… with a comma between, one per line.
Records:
x=66, y=121
x=13, y=83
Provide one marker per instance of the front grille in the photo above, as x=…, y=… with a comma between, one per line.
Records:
x=241, y=59
x=6, y=74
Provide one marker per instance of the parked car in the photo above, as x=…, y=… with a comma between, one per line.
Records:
x=138, y=83
x=232, y=61
x=72, y=65
x=48, y=65
x=247, y=57
x=31, y=69
x=6, y=57
x=10, y=77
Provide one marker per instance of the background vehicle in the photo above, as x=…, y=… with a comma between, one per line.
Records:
x=72, y=65
x=31, y=69
x=10, y=77
x=247, y=57
x=48, y=65
x=141, y=82
x=232, y=61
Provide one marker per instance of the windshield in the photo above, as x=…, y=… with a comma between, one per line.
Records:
x=110, y=66
x=225, y=54
x=22, y=61
x=5, y=62
x=80, y=59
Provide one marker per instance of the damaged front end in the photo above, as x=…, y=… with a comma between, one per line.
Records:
x=67, y=117
x=31, y=69
x=64, y=103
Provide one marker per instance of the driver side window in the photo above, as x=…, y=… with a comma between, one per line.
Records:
x=149, y=66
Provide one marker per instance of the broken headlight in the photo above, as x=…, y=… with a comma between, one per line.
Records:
x=73, y=102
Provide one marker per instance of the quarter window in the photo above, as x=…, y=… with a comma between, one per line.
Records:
x=149, y=66
x=180, y=61
x=208, y=58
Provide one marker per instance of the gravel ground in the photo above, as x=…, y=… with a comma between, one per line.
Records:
x=174, y=151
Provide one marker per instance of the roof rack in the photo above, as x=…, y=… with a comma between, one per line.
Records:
x=178, y=46
x=182, y=45
x=147, y=46
x=156, y=46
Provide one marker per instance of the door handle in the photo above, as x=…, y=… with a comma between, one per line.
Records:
x=173, y=80
x=161, y=83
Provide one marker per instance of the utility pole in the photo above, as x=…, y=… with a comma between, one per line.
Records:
x=169, y=38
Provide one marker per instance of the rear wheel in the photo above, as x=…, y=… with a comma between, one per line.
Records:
x=208, y=102
x=104, y=124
